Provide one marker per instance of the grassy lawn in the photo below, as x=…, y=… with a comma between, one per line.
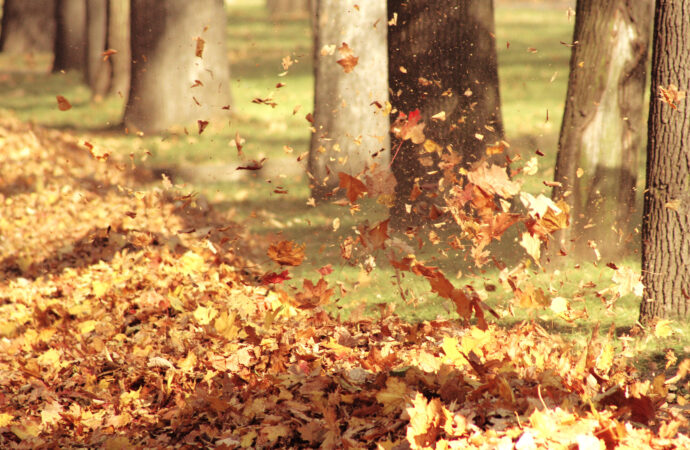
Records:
x=533, y=71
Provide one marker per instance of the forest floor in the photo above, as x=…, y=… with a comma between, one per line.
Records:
x=140, y=311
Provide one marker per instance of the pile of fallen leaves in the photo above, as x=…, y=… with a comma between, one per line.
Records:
x=126, y=321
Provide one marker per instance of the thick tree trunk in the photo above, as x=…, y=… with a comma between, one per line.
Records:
x=70, y=19
x=27, y=26
x=602, y=128
x=442, y=59
x=281, y=9
x=119, y=40
x=166, y=37
x=350, y=126
x=97, y=69
x=666, y=223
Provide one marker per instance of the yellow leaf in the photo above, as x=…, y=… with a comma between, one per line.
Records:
x=439, y=116
x=99, y=288
x=532, y=245
x=189, y=363
x=205, y=315
x=559, y=305
x=225, y=325
x=5, y=419
x=394, y=396
x=51, y=414
x=605, y=358
x=663, y=329
x=49, y=358
x=191, y=262
x=451, y=348
x=87, y=327
x=426, y=419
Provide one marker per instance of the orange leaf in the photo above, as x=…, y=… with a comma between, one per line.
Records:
x=63, y=103
x=348, y=60
x=286, y=253
x=354, y=188
x=313, y=295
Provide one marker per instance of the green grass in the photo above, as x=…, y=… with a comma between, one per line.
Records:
x=531, y=84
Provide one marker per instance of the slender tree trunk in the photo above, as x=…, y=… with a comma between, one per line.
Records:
x=27, y=26
x=666, y=223
x=442, y=59
x=602, y=128
x=70, y=19
x=173, y=82
x=119, y=40
x=97, y=69
x=350, y=126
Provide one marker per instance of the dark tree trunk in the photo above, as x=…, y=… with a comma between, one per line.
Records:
x=97, y=69
x=119, y=40
x=164, y=90
x=281, y=9
x=350, y=126
x=666, y=220
x=27, y=26
x=603, y=124
x=70, y=20
x=442, y=58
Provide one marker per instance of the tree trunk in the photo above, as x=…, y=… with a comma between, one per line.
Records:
x=119, y=40
x=282, y=9
x=442, y=58
x=350, y=126
x=27, y=26
x=164, y=90
x=97, y=69
x=666, y=220
x=70, y=20
x=602, y=126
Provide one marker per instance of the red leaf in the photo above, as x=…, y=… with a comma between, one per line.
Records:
x=326, y=270
x=275, y=278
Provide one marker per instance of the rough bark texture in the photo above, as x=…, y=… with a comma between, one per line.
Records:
x=164, y=90
x=282, y=9
x=666, y=223
x=603, y=123
x=70, y=20
x=97, y=70
x=350, y=127
x=27, y=26
x=442, y=58
x=118, y=39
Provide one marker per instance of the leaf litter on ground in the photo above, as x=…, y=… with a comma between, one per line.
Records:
x=128, y=318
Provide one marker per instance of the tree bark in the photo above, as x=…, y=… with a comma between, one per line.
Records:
x=666, y=220
x=602, y=128
x=27, y=26
x=97, y=69
x=70, y=20
x=350, y=126
x=442, y=58
x=164, y=90
x=119, y=40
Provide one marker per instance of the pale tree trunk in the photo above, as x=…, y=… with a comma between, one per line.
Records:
x=350, y=126
x=97, y=69
x=70, y=18
x=119, y=40
x=164, y=90
x=27, y=26
x=282, y=9
x=666, y=220
x=442, y=59
x=603, y=123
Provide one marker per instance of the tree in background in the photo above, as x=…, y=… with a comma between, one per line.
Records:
x=351, y=90
x=70, y=31
x=119, y=40
x=97, y=68
x=666, y=219
x=602, y=126
x=27, y=26
x=180, y=69
x=442, y=62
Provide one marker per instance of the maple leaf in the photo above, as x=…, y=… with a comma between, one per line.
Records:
x=426, y=420
x=671, y=95
x=409, y=127
x=353, y=187
x=374, y=237
x=348, y=60
x=494, y=180
x=313, y=295
x=286, y=253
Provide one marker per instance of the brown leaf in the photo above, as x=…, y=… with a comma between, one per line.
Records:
x=348, y=60
x=199, y=51
x=286, y=253
x=313, y=295
x=353, y=187
x=63, y=103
